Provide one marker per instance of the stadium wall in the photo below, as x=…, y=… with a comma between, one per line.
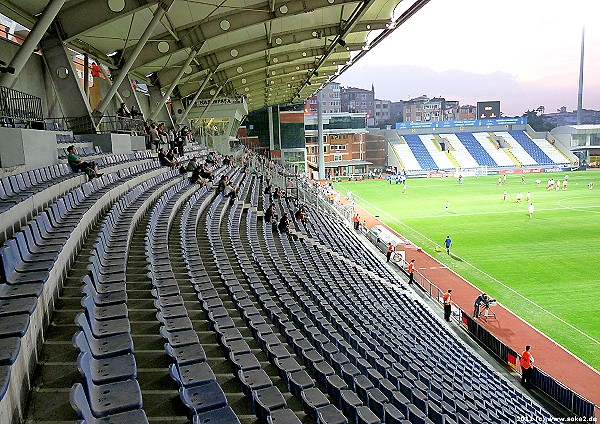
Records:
x=35, y=82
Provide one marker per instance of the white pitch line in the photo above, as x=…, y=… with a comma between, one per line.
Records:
x=579, y=208
x=487, y=275
x=523, y=211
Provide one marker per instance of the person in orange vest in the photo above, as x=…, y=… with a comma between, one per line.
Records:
x=526, y=367
x=447, y=305
x=356, y=220
x=390, y=250
x=411, y=271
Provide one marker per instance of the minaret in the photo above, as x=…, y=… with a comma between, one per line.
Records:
x=373, y=105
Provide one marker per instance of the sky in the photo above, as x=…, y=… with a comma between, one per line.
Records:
x=524, y=53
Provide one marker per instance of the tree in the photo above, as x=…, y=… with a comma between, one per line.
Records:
x=536, y=120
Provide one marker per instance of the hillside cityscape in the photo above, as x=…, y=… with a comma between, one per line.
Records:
x=382, y=112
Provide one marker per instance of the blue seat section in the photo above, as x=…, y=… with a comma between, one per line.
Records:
x=420, y=151
x=267, y=401
x=15, y=188
x=198, y=388
x=531, y=148
x=361, y=335
x=110, y=391
x=28, y=260
x=476, y=150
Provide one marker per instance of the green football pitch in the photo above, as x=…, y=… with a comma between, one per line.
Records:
x=544, y=268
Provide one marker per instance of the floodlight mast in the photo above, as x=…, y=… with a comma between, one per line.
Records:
x=580, y=91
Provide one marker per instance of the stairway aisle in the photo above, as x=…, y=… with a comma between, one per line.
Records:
x=215, y=355
x=294, y=403
x=159, y=392
x=56, y=370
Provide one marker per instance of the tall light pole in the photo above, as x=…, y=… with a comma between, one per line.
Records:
x=580, y=92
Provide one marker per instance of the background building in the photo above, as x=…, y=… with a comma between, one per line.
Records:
x=358, y=100
x=330, y=97
x=345, y=143
x=382, y=111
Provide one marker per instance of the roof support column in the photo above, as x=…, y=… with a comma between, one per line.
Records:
x=160, y=12
x=86, y=77
x=31, y=42
x=173, y=84
x=110, y=83
x=204, y=113
x=193, y=102
x=321, y=143
x=271, y=136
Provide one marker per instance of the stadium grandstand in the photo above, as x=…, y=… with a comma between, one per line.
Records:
x=144, y=286
x=506, y=144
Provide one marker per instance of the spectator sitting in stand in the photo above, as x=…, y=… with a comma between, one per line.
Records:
x=171, y=156
x=301, y=214
x=268, y=189
x=270, y=213
x=195, y=177
x=78, y=164
x=284, y=224
x=192, y=165
x=231, y=192
x=211, y=159
x=206, y=173
x=164, y=160
x=223, y=181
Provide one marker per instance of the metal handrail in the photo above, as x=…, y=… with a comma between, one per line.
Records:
x=107, y=124
x=18, y=108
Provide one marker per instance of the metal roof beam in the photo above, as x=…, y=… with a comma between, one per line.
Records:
x=197, y=32
x=88, y=15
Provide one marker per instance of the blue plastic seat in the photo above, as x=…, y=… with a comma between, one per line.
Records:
x=190, y=375
x=365, y=416
x=223, y=415
x=14, y=325
x=110, y=398
x=206, y=397
x=266, y=400
x=313, y=399
x=118, y=344
x=185, y=355
x=283, y=416
x=79, y=402
x=349, y=402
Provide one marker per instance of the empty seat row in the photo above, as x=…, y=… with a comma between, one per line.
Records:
x=198, y=387
x=34, y=263
x=16, y=188
x=81, y=151
x=106, y=362
x=266, y=399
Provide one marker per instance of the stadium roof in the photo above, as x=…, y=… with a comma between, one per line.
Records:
x=342, y=163
x=573, y=129
x=269, y=52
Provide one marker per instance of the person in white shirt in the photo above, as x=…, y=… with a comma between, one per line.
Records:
x=531, y=207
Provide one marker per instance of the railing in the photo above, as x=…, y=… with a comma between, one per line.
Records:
x=107, y=124
x=18, y=109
